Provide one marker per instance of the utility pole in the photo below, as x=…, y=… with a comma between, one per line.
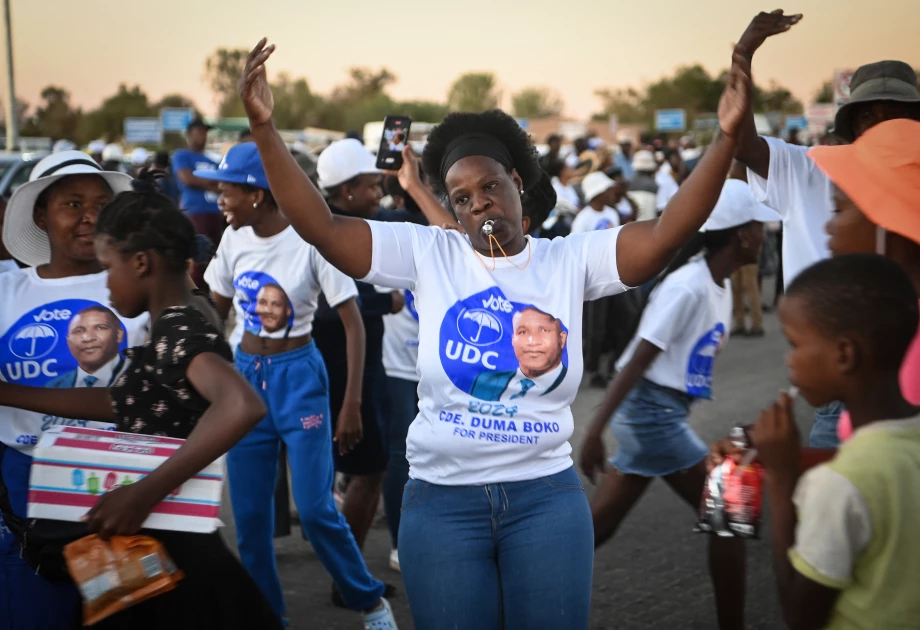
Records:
x=12, y=124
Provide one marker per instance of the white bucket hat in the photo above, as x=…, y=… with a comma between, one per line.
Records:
x=644, y=161
x=595, y=184
x=21, y=237
x=343, y=160
x=736, y=206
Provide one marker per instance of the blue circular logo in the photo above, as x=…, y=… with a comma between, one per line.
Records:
x=495, y=349
x=700, y=363
x=47, y=345
x=604, y=224
x=267, y=309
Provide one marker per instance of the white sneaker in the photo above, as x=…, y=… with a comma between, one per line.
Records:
x=394, y=560
x=381, y=618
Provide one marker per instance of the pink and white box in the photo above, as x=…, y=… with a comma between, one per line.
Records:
x=73, y=466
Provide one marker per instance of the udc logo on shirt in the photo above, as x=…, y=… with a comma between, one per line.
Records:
x=495, y=349
x=702, y=358
x=604, y=224
x=410, y=304
x=266, y=306
x=50, y=344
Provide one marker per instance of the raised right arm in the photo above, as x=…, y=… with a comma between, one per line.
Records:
x=343, y=241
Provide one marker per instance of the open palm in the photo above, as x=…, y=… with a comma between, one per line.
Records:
x=253, y=85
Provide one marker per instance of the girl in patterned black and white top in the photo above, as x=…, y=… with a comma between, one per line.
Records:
x=181, y=384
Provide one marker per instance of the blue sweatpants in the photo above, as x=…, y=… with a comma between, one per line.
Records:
x=294, y=387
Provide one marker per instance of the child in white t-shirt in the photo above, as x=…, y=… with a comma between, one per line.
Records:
x=665, y=368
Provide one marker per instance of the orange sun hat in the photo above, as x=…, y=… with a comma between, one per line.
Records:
x=880, y=172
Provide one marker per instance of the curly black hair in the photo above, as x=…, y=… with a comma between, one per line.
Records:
x=495, y=123
x=862, y=294
x=145, y=219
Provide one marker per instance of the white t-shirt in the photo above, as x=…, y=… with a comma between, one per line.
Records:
x=590, y=219
x=8, y=265
x=274, y=282
x=687, y=318
x=624, y=208
x=803, y=195
x=566, y=193
x=667, y=186
x=56, y=332
x=476, y=326
x=400, y=341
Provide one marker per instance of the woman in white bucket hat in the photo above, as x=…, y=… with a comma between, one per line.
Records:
x=56, y=330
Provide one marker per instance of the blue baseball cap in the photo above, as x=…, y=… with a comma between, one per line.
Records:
x=241, y=165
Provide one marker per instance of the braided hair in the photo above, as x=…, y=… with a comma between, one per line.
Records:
x=145, y=219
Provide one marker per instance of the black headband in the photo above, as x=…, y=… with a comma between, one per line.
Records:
x=475, y=144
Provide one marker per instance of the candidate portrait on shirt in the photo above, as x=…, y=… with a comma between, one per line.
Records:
x=538, y=340
x=274, y=310
x=93, y=337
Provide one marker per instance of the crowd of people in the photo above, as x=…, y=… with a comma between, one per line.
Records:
x=268, y=308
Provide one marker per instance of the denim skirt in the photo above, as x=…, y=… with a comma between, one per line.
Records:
x=653, y=437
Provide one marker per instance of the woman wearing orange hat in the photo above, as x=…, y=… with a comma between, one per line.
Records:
x=877, y=209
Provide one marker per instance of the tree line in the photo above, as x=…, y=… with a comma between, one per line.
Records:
x=364, y=98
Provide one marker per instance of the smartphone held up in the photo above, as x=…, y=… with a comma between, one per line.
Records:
x=394, y=139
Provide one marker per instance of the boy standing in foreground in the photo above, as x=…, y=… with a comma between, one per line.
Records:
x=845, y=550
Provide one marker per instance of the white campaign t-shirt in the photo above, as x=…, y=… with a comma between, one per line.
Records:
x=479, y=330
x=590, y=219
x=274, y=282
x=667, y=186
x=687, y=318
x=400, y=341
x=803, y=195
x=55, y=334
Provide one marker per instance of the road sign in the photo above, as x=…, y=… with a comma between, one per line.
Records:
x=842, y=80
x=796, y=122
x=143, y=131
x=175, y=118
x=670, y=120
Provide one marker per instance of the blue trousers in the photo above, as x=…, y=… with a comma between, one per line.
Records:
x=824, y=430
x=294, y=387
x=402, y=399
x=27, y=601
x=506, y=556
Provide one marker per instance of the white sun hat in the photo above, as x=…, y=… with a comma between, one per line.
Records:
x=21, y=237
x=737, y=206
x=344, y=160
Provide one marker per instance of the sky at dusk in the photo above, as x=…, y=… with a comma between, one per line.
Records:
x=574, y=46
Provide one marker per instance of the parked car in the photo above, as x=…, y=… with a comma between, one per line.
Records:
x=15, y=169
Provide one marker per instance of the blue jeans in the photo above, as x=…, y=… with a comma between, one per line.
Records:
x=28, y=601
x=402, y=398
x=506, y=556
x=824, y=430
x=294, y=387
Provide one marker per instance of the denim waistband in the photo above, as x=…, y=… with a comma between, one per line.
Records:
x=244, y=359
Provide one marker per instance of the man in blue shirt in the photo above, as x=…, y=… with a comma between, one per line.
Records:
x=198, y=196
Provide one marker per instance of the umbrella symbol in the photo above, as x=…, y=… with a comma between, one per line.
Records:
x=485, y=320
x=33, y=332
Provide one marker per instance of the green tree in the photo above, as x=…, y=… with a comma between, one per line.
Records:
x=776, y=98
x=55, y=117
x=176, y=100
x=222, y=71
x=536, y=102
x=422, y=111
x=627, y=104
x=107, y=121
x=361, y=100
x=473, y=92
x=825, y=93
x=296, y=106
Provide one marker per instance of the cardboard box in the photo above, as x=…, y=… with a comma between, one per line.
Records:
x=73, y=466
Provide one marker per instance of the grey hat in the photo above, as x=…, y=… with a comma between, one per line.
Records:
x=880, y=81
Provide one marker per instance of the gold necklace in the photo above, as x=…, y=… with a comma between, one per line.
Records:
x=494, y=241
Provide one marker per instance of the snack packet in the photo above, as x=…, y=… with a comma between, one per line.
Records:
x=732, y=500
x=121, y=572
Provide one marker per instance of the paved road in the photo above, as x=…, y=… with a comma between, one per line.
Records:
x=652, y=575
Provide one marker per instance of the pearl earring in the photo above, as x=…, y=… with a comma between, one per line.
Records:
x=522, y=192
x=351, y=197
x=254, y=206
